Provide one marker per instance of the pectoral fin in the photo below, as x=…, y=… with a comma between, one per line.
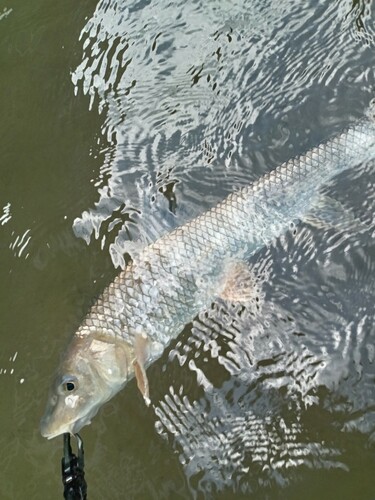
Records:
x=241, y=284
x=141, y=355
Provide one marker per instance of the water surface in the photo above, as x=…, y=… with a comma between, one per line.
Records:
x=122, y=121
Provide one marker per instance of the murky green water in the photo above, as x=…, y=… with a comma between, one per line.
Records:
x=151, y=113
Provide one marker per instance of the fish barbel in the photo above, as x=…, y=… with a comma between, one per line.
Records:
x=169, y=282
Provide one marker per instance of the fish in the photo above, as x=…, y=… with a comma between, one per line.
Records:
x=168, y=283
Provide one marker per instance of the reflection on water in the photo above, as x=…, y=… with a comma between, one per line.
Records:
x=196, y=99
x=151, y=116
x=185, y=92
x=17, y=243
x=6, y=216
x=309, y=345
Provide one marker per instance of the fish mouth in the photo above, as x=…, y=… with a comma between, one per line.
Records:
x=54, y=434
x=48, y=431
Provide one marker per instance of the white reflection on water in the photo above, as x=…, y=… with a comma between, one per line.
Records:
x=180, y=89
x=19, y=243
x=197, y=99
x=6, y=214
x=5, y=13
x=303, y=349
x=7, y=368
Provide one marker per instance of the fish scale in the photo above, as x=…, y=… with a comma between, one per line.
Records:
x=244, y=222
x=169, y=282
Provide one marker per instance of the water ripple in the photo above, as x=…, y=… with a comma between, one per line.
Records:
x=196, y=100
x=182, y=97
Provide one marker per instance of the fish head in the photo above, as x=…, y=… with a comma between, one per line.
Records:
x=93, y=369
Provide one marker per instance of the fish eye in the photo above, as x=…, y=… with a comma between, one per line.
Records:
x=69, y=384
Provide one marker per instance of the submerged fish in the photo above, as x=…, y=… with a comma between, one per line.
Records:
x=172, y=280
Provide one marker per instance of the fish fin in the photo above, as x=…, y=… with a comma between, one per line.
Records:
x=141, y=354
x=240, y=284
x=330, y=213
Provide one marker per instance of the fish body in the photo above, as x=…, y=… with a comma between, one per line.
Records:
x=168, y=283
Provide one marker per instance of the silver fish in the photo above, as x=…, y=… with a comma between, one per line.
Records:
x=168, y=283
